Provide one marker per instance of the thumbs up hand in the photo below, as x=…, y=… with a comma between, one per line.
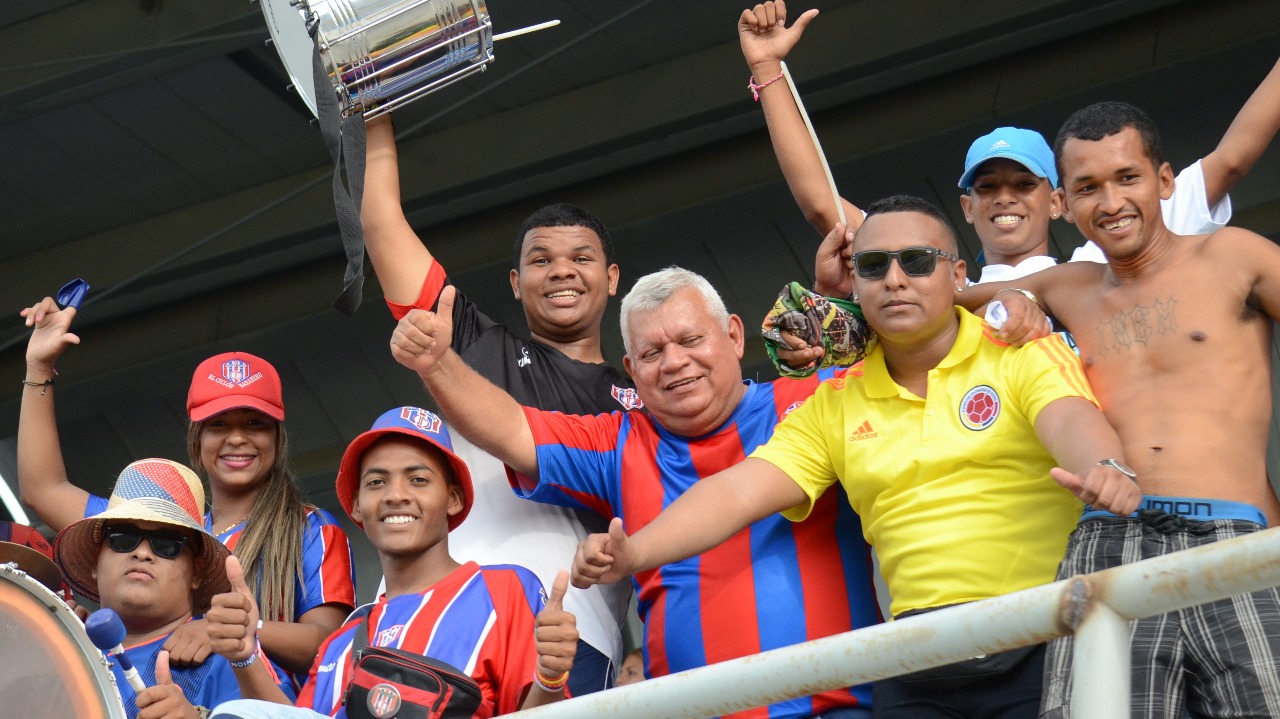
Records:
x=165, y=700
x=233, y=617
x=604, y=558
x=556, y=632
x=422, y=338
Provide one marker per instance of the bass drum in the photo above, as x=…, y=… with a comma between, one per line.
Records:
x=380, y=54
x=50, y=669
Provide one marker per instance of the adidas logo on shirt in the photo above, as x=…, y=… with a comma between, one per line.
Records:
x=864, y=431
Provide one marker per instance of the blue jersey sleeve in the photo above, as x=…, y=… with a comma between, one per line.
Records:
x=578, y=461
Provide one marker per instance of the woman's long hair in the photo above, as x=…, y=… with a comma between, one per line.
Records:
x=270, y=547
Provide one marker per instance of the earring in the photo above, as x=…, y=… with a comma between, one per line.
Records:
x=854, y=297
x=1053, y=215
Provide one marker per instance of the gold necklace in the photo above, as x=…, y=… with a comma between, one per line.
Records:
x=229, y=526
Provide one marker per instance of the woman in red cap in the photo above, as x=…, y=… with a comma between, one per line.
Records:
x=297, y=558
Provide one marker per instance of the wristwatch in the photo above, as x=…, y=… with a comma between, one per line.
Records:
x=1119, y=467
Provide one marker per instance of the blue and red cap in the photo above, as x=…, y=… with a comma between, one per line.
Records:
x=413, y=422
x=1025, y=147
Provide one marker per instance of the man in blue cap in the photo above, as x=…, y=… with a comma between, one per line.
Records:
x=1009, y=176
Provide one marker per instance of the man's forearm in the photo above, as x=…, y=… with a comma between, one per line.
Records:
x=483, y=413
x=713, y=510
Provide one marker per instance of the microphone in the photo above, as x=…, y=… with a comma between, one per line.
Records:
x=106, y=631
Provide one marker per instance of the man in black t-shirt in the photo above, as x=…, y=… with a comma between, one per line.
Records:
x=563, y=276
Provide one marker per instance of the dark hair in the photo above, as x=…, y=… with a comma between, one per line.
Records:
x=919, y=205
x=563, y=214
x=1104, y=119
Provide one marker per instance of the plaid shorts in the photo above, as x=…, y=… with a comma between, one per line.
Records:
x=1214, y=660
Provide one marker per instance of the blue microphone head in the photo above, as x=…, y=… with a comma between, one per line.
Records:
x=105, y=629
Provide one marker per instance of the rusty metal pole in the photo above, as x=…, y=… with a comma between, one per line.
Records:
x=1100, y=666
x=1098, y=604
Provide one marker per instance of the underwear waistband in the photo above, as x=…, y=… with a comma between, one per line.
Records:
x=1197, y=508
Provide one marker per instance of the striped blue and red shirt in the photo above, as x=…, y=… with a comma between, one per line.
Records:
x=328, y=574
x=479, y=620
x=771, y=585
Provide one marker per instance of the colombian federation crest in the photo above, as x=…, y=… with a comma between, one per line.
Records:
x=421, y=418
x=979, y=408
x=383, y=701
x=627, y=397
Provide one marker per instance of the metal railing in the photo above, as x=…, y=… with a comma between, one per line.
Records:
x=1095, y=607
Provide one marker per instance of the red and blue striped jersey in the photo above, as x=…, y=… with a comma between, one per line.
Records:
x=771, y=585
x=479, y=620
x=328, y=574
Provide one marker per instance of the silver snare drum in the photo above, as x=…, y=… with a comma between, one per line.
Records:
x=51, y=670
x=381, y=54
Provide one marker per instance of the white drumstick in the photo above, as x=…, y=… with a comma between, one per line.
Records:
x=831, y=181
x=525, y=30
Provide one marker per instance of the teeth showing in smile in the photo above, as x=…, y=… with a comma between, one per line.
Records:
x=398, y=519
x=1006, y=219
x=564, y=293
x=1118, y=224
x=681, y=383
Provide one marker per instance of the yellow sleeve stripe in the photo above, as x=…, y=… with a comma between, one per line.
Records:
x=1068, y=366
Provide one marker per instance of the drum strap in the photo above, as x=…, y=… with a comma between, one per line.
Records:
x=344, y=136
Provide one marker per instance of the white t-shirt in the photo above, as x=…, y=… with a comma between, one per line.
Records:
x=1187, y=212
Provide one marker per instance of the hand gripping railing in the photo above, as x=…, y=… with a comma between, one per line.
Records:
x=1096, y=607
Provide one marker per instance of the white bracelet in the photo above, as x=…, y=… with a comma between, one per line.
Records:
x=249, y=660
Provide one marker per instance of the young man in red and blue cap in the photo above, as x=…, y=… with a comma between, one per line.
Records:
x=403, y=484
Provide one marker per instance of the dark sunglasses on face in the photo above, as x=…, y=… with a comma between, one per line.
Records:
x=914, y=261
x=165, y=543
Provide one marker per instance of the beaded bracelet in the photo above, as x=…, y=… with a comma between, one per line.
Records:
x=755, y=89
x=550, y=685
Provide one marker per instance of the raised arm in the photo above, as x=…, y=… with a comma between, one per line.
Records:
x=766, y=41
x=473, y=406
x=42, y=475
x=711, y=511
x=1245, y=140
x=1079, y=437
x=399, y=258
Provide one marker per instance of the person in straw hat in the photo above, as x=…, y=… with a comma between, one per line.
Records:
x=148, y=558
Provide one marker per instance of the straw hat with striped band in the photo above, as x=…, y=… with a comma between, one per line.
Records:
x=149, y=490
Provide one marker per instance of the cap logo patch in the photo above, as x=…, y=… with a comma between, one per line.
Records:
x=421, y=418
x=235, y=373
x=627, y=397
x=999, y=145
x=979, y=408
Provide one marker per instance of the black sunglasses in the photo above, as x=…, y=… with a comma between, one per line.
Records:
x=915, y=261
x=165, y=543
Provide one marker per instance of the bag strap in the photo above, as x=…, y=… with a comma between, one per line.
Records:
x=361, y=639
x=345, y=139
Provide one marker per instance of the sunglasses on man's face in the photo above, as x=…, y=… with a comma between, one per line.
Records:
x=915, y=261
x=165, y=543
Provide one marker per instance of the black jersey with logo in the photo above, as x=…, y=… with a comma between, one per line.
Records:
x=533, y=373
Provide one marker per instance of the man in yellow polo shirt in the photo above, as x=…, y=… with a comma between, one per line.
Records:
x=944, y=439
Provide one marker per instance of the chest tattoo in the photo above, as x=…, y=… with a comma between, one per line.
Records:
x=1136, y=326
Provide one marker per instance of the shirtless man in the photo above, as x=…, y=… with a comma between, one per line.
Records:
x=1174, y=333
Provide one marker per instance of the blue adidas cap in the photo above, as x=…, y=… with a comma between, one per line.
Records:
x=1026, y=147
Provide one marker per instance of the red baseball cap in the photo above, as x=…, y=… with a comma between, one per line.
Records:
x=234, y=380
x=412, y=422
